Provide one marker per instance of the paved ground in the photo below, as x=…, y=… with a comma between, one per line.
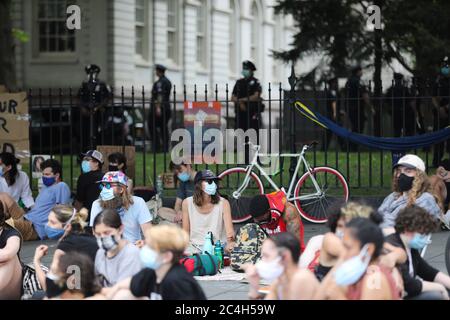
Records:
x=235, y=290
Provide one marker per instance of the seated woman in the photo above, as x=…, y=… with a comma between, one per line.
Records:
x=331, y=249
x=422, y=281
x=15, y=182
x=278, y=266
x=67, y=225
x=64, y=282
x=440, y=184
x=10, y=267
x=206, y=211
x=360, y=275
x=117, y=259
x=163, y=277
x=410, y=187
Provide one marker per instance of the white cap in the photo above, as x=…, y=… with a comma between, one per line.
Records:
x=411, y=161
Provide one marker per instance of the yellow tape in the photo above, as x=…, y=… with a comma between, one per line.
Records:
x=311, y=115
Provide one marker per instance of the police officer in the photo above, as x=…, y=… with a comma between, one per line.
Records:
x=160, y=112
x=247, y=98
x=440, y=100
x=93, y=96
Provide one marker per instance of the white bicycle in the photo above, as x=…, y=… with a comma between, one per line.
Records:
x=313, y=193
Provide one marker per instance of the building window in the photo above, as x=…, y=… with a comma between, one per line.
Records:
x=141, y=28
x=232, y=37
x=201, y=34
x=172, y=30
x=53, y=35
x=256, y=25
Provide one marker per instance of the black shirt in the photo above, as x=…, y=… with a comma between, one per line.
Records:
x=178, y=284
x=246, y=87
x=421, y=268
x=82, y=243
x=161, y=93
x=87, y=188
x=94, y=93
x=7, y=233
x=441, y=89
x=355, y=91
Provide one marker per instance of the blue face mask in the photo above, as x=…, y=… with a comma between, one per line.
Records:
x=353, y=269
x=445, y=71
x=48, y=181
x=246, y=73
x=149, y=258
x=53, y=233
x=1, y=171
x=107, y=194
x=184, y=176
x=211, y=188
x=85, y=166
x=419, y=241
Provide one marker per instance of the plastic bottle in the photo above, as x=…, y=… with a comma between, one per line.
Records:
x=218, y=252
x=208, y=245
x=159, y=186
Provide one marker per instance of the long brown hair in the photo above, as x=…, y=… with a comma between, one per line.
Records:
x=421, y=184
x=125, y=200
x=199, y=195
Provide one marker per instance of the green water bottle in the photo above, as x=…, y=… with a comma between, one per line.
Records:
x=218, y=252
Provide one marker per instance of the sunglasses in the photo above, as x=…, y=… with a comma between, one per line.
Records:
x=107, y=185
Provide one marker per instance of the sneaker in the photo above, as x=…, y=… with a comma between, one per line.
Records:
x=445, y=219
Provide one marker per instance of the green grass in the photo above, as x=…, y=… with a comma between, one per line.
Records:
x=368, y=174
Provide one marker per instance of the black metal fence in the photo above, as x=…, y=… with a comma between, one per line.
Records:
x=128, y=117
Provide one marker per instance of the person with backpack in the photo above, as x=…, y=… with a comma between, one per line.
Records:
x=275, y=214
x=10, y=266
x=278, y=266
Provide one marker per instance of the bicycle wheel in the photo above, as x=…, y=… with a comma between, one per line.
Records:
x=232, y=179
x=447, y=254
x=333, y=187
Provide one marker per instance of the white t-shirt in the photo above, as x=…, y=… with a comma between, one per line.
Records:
x=19, y=190
x=132, y=218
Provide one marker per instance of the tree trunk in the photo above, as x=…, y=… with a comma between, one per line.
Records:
x=378, y=64
x=7, y=57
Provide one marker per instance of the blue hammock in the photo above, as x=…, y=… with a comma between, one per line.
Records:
x=392, y=144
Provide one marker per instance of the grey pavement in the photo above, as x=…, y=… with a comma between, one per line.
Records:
x=237, y=290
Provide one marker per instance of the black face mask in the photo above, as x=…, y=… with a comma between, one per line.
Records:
x=53, y=289
x=404, y=182
x=113, y=168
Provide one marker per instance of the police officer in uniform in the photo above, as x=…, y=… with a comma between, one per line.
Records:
x=247, y=98
x=93, y=97
x=160, y=112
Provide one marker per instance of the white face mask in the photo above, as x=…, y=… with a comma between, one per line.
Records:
x=339, y=233
x=271, y=270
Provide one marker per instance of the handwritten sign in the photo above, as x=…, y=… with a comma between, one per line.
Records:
x=14, y=124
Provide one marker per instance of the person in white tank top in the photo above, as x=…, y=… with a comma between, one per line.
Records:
x=206, y=211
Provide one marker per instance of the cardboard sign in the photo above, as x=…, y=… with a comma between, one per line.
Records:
x=15, y=124
x=205, y=115
x=130, y=154
x=168, y=180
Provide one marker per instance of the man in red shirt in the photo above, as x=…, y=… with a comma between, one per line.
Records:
x=274, y=214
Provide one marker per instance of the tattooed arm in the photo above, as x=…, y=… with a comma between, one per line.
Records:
x=293, y=222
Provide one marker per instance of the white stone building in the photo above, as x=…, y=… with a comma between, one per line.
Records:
x=200, y=41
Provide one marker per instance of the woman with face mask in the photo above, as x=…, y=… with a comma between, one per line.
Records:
x=278, y=267
x=206, y=211
x=331, y=249
x=10, y=267
x=360, y=275
x=15, y=182
x=162, y=278
x=72, y=278
x=117, y=258
x=410, y=186
x=413, y=227
x=67, y=225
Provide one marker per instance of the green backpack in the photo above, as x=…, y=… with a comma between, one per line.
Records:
x=204, y=264
x=249, y=240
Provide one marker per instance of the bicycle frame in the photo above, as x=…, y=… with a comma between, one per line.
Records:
x=290, y=193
